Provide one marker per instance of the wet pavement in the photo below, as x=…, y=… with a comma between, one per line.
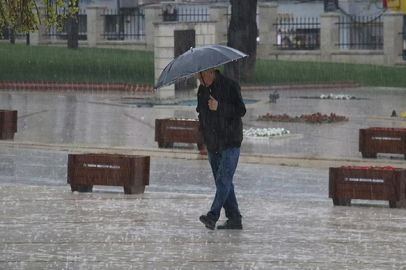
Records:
x=107, y=120
x=289, y=221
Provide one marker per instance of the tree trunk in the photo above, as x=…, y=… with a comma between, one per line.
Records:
x=72, y=27
x=242, y=35
x=12, y=36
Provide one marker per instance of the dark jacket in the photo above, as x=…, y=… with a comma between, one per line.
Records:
x=221, y=129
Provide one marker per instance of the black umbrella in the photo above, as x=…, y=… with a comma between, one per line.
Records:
x=196, y=60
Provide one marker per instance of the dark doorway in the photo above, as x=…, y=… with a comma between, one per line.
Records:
x=184, y=39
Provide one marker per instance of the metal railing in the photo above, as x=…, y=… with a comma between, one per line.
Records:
x=185, y=14
x=298, y=33
x=124, y=24
x=360, y=33
x=8, y=34
x=56, y=32
x=193, y=14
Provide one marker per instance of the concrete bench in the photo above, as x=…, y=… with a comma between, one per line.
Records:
x=8, y=124
x=130, y=172
x=369, y=183
x=171, y=130
x=382, y=140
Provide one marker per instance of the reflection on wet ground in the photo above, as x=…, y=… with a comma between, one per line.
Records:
x=289, y=221
x=93, y=119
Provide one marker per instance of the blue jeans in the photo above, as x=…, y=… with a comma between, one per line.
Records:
x=223, y=166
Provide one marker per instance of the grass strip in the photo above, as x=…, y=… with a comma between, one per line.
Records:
x=19, y=62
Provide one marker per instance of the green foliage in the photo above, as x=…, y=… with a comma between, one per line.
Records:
x=23, y=15
x=18, y=15
x=53, y=18
x=36, y=63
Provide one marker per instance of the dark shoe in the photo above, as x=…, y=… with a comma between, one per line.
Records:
x=210, y=224
x=231, y=225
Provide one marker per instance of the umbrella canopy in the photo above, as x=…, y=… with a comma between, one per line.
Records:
x=196, y=60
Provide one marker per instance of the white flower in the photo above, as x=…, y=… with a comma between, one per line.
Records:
x=183, y=119
x=332, y=96
x=265, y=132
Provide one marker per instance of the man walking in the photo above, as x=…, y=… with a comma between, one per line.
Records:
x=220, y=107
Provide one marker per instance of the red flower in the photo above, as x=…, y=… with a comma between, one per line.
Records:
x=388, y=168
x=385, y=128
x=311, y=118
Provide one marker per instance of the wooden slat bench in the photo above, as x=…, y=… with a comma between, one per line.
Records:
x=130, y=172
x=367, y=184
x=8, y=124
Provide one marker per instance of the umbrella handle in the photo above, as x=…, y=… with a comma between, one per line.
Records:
x=204, y=84
x=201, y=76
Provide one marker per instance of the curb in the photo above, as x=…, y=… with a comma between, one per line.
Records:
x=295, y=86
x=141, y=88
x=290, y=161
x=74, y=86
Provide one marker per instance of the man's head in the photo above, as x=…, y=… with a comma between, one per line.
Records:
x=206, y=77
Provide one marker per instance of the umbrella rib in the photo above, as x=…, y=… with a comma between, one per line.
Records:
x=197, y=60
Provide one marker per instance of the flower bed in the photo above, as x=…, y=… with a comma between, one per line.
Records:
x=367, y=183
x=388, y=168
x=336, y=97
x=265, y=132
x=332, y=97
x=171, y=130
x=316, y=118
x=184, y=119
x=382, y=140
x=390, y=129
x=129, y=171
x=8, y=124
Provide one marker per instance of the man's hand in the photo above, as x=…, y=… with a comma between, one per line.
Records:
x=213, y=104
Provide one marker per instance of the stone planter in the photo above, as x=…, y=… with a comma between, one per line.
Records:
x=382, y=140
x=367, y=184
x=130, y=172
x=8, y=124
x=169, y=131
